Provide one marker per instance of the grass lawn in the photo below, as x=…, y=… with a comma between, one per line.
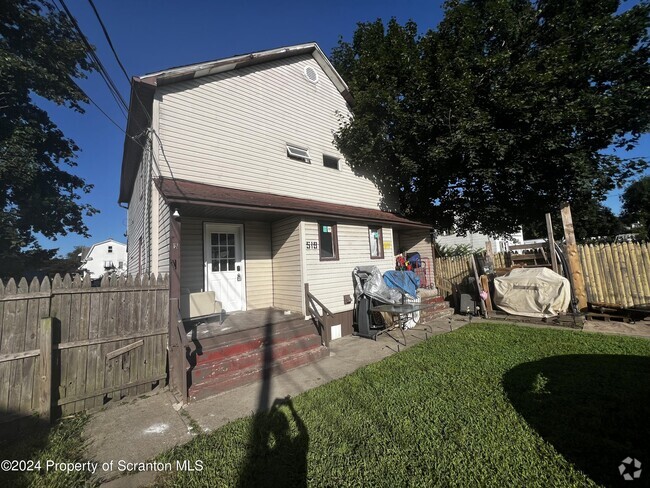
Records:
x=487, y=405
x=61, y=443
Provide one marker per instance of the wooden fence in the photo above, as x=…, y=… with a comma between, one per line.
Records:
x=66, y=347
x=616, y=275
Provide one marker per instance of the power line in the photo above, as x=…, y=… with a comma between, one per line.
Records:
x=108, y=38
x=95, y=59
x=117, y=58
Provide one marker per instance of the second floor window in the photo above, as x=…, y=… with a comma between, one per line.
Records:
x=328, y=241
x=376, y=242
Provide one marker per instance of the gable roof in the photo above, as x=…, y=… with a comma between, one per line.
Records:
x=144, y=87
x=84, y=258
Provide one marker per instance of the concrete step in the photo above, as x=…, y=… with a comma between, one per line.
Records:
x=251, y=374
x=439, y=314
x=214, y=364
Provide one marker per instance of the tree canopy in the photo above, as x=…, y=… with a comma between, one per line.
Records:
x=636, y=206
x=40, y=55
x=501, y=114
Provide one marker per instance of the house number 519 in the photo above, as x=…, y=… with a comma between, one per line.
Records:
x=312, y=245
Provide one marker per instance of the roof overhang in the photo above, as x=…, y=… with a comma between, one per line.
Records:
x=143, y=89
x=193, y=193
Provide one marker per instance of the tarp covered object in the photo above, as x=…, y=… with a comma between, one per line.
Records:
x=406, y=281
x=369, y=282
x=532, y=292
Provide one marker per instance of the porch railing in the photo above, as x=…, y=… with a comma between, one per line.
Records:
x=323, y=319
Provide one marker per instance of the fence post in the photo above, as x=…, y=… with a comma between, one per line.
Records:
x=551, y=242
x=574, y=260
x=45, y=370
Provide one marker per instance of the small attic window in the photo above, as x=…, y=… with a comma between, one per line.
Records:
x=298, y=153
x=330, y=161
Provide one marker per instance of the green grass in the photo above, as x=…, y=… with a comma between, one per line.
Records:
x=487, y=405
x=61, y=443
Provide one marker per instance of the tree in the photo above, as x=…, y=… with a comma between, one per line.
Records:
x=508, y=106
x=40, y=54
x=591, y=219
x=636, y=206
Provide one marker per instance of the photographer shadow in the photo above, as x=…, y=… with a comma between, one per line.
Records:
x=594, y=409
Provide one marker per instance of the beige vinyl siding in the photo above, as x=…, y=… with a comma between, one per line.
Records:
x=287, y=275
x=231, y=129
x=259, y=265
x=257, y=243
x=415, y=240
x=163, y=235
x=139, y=220
x=192, y=269
x=329, y=281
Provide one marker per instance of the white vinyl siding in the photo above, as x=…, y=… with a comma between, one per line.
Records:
x=329, y=281
x=231, y=129
x=287, y=275
x=259, y=265
x=139, y=220
x=163, y=235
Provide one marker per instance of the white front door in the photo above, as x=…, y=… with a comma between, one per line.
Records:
x=224, y=265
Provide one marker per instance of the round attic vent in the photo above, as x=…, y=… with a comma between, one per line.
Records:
x=311, y=74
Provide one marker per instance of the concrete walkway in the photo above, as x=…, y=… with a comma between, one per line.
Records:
x=138, y=430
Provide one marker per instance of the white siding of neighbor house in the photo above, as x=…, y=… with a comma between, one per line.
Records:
x=257, y=242
x=139, y=220
x=99, y=254
x=477, y=241
x=329, y=281
x=231, y=129
x=287, y=272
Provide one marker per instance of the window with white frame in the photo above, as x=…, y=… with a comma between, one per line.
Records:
x=298, y=153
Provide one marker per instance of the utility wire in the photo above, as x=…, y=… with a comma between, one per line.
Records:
x=108, y=38
x=117, y=58
x=95, y=59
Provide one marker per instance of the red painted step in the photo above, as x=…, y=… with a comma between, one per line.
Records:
x=214, y=368
x=242, y=377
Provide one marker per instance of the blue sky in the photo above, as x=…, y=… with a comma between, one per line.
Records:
x=152, y=35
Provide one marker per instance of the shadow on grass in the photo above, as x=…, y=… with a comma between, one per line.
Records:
x=277, y=450
x=594, y=409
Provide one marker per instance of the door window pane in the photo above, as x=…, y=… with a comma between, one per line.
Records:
x=223, y=251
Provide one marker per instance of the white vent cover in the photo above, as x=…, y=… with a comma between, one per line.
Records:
x=311, y=74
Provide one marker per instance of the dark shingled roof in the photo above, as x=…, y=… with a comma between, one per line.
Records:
x=182, y=191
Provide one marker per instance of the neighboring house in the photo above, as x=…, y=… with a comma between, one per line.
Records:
x=477, y=240
x=104, y=257
x=231, y=176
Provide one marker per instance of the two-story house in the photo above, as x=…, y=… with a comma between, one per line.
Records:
x=234, y=185
x=104, y=257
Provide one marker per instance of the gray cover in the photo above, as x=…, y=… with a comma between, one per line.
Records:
x=532, y=292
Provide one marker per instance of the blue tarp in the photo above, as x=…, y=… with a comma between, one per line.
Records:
x=405, y=281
